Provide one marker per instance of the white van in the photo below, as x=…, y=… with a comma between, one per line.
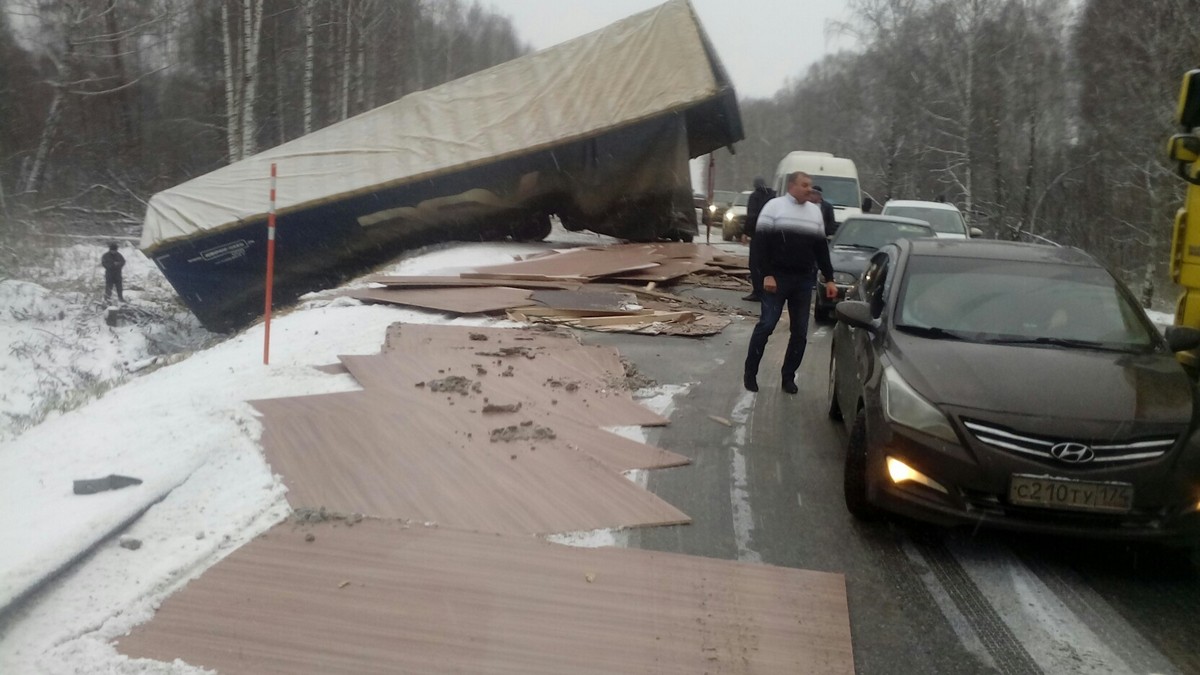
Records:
x=837, y=176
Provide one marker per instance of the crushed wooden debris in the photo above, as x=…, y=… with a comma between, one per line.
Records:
x=548, y=288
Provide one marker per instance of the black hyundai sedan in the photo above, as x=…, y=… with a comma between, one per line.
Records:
x=856, y=240
x=1016, y=386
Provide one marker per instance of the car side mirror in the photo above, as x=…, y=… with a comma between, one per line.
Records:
x=1182, y=338
x=857, y=314
x=976, y=232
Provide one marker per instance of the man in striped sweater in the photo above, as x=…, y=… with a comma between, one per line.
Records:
x=791, y=236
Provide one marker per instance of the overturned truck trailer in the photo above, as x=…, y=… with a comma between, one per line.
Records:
x=596, y=131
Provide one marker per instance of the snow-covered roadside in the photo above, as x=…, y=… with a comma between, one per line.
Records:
x=186, y=431
x=59, y=349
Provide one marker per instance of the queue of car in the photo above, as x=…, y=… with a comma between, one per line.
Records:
x=1002, y=384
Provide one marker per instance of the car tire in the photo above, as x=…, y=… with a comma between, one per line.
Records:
x=835, y=410
x=855, y=478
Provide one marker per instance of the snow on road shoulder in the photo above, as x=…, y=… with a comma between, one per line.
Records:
x=187, y=431
x=58, y=344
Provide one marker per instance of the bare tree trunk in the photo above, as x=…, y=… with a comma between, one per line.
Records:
x=968, y=108
x=280, y=105
x=346, y=61
x=233, y=107
x=252, y=31
x=360, y=81
x=125, y=108
x=309, y=41
x=1030, y=169
x=33, y=179
x=1152, y=251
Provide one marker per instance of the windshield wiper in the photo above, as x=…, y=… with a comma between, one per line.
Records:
x=865, y=247
x=930, y=332
x=1064, y=342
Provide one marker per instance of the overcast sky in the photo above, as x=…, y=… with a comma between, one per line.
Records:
x=761, y=42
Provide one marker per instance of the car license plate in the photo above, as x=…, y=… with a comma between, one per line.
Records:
x=1074, y=495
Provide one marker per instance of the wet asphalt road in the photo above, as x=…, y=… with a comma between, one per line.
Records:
x=768, y=488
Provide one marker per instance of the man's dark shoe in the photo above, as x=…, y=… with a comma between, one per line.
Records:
x=750, y=382
x=753, y=297
x=790, y=386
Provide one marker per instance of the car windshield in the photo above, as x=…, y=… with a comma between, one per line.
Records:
x=742, y=199
x=1006, y=301
x=838, y=191
x=723, y=196
x=874, y=234
x=948, y=221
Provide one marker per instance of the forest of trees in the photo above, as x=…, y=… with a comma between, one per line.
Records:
x=105, y=102
x=1037, y=117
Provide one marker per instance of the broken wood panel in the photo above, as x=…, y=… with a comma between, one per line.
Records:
x=546, y=384
x=453, y=300
x=477, y=337
x=726, y=260
x=665, y=271
x=574, y=264
x=612, y=302
x=388, y=597
x=639, y=320
x=417, y=462
x=562, y=353
x=566, y=357
x=693, y=251
x=453, y=282
x=475, y=420
x=538, y=310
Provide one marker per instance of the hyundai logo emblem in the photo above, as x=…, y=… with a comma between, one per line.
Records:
x=1075, y=453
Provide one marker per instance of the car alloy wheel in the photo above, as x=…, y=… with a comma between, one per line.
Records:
x=835, y=410
x=855, y=478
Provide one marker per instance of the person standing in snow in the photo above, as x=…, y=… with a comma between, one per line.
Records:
x=791, y=236
x=754, y=205
x=112, y=262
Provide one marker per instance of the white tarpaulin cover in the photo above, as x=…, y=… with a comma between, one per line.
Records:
x=632, y=70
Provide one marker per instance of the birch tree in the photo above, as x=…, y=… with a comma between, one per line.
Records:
x=241, y=33
x=308, y=10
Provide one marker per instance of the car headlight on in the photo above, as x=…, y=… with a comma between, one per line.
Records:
x=844, y=278
x=729, y=215
x=904, y=406
x=900, y=472
x=712, y=208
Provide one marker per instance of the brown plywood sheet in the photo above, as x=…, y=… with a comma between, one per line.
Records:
x=588, y=301
x=385, y=597
x=453, y=300
x=455, y=281
x=550, y=383
x=478, y=338
x=576, y=264
x=421, y=462
x=664, y=271
x=474, y=421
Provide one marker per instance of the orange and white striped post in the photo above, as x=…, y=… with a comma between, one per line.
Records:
x=712, y=170
x=270, y=271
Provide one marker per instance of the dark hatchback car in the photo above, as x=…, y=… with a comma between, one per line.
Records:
x=1016, y=386
x=855, y=242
